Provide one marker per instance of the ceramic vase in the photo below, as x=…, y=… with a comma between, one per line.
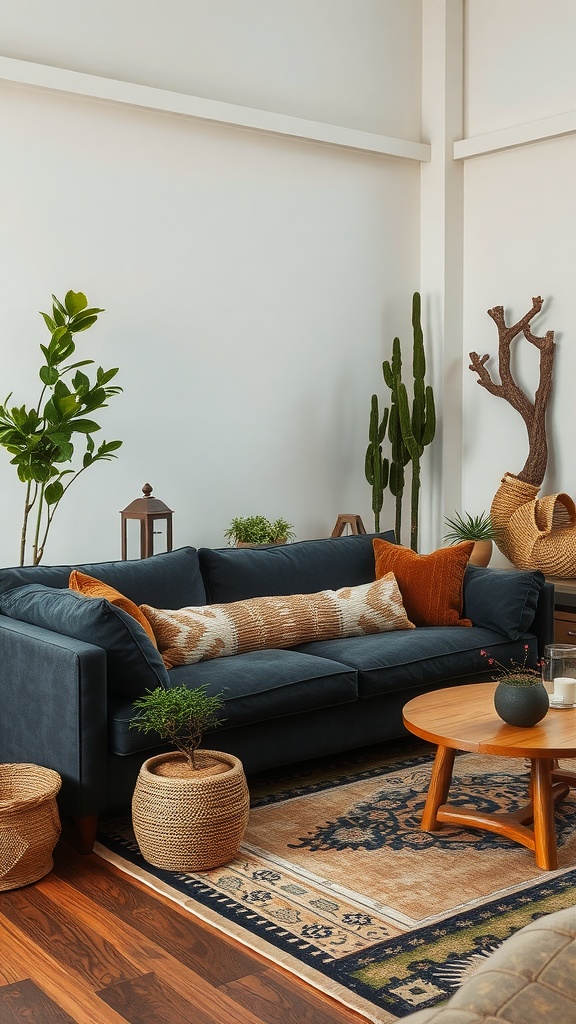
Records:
x=522, y=706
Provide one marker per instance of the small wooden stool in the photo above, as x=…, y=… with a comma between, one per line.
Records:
x=354, y=522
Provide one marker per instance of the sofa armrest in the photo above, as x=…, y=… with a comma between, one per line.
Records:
x=543, y=625
x=54, y=710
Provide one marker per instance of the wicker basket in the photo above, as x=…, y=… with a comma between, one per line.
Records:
x=29, y=823
x=190, y=821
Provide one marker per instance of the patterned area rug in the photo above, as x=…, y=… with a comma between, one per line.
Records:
x=336, y=882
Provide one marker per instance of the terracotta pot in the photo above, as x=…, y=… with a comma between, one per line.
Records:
x=481, y=553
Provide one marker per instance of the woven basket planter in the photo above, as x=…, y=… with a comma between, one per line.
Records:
x=190, y=821
x=29, y=823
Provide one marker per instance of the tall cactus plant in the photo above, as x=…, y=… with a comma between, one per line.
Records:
x=418, y=428
x=392, y=371
x=409, y=430
x=376, y=466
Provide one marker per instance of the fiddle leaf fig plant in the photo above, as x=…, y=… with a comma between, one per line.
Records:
x=42, y=439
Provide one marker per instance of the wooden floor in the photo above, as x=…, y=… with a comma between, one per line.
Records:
x=88, y=944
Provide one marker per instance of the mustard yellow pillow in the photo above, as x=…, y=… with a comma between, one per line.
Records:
x=91, y=587
x=188, y=635
x=431, y=585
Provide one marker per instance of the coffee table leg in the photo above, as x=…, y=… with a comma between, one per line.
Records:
x=543, y=806
x=438, y=789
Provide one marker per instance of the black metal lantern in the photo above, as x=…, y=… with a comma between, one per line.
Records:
x=149, y=511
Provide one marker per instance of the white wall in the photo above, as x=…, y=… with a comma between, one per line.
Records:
x=519, y=227
x=252, y=284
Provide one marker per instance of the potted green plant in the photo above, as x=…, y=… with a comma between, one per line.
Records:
x=251, y=531
x=42, y=439
x=190, y=806
x=479, y=528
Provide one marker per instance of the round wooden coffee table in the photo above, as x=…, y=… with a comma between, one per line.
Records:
x=463, y=718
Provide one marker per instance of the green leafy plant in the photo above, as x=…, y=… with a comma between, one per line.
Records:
x=179, y=715
x=518, y=674
x=42, y=439
x=259, y=530
x=468, y=527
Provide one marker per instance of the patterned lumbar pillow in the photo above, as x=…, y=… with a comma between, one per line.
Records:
x=189, y=635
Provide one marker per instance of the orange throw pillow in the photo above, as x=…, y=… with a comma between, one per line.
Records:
x=431, y=585
x=91, y=587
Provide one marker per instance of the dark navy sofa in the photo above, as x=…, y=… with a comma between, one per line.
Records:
x=70, y=667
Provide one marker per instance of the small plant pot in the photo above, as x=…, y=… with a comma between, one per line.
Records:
x=523, y=706
x=481, y=553
x=187, y=820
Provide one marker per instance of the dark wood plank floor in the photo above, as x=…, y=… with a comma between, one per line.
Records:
x=89, y=945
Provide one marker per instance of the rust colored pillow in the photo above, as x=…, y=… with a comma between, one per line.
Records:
x=431, y=585
x=91, y=587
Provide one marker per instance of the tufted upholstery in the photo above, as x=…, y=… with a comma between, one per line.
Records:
x=530, y=979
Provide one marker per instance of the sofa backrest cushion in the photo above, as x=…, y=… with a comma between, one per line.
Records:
x=133, y=664
x=168, y=580
x=502, y=599
x=308, y=566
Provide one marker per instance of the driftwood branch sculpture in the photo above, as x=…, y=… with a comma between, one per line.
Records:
x=533, y=533
x=532, y=412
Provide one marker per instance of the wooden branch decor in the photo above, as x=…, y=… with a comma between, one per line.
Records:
x=532, y=533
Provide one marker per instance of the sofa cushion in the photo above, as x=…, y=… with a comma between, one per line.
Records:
x=187, y=635
x=422, y=657
x=133, y=663
x=256, y=687
x=90, y=587
x=170, y=579
x=431, y=585
x=234, y=574
x=517, y=593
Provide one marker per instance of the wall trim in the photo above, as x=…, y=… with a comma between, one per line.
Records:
x=553, y=127
x=196, y=107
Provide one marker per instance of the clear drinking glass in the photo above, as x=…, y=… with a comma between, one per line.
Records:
x=559, y=672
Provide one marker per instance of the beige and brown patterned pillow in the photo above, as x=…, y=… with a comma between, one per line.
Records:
x=188, y=635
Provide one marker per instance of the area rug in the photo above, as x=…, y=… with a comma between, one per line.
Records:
x=336, y=883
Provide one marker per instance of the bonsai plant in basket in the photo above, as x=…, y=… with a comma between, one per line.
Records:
x=190, y=806
x=480, y=529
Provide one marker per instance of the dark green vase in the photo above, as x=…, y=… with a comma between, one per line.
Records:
x=523, y=706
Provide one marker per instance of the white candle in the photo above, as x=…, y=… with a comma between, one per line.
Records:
x=565, y=690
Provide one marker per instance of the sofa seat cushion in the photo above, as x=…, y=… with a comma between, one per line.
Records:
x=421, y=657
x=187, y=635
x=170, y=579
x=256, y=687
x=234, y=574
x=133, y=664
